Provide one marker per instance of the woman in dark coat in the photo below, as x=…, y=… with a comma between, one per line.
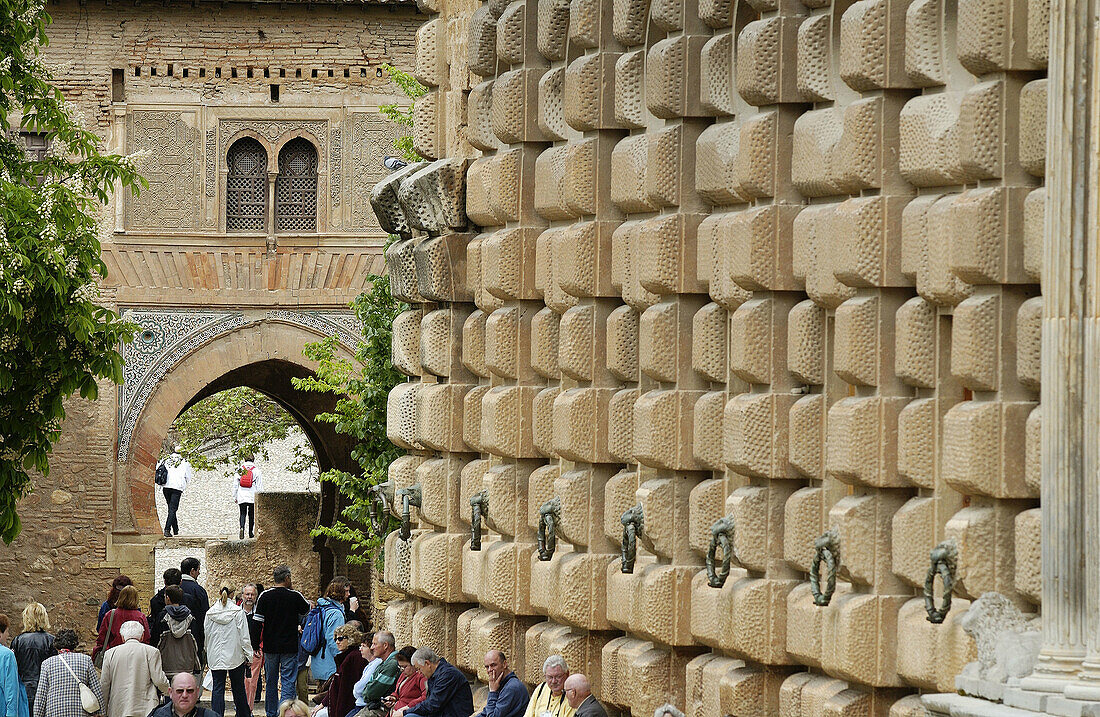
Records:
x=110, y=629
x=33, y=646
x=349, y=668
x=112, y=598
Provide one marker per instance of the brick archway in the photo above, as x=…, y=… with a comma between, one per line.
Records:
x=263, y=355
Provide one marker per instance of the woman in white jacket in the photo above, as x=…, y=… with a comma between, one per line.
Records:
x=228, y=650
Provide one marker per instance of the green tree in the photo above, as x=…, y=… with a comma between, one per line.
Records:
x=363, y=386
x=402, y=115
x=226, y=428
x=54, y=338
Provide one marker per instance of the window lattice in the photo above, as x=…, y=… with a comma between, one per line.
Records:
x=296, y=188
x=246, y=188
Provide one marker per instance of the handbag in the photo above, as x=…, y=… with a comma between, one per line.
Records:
x=88, y=700
x=98, y=659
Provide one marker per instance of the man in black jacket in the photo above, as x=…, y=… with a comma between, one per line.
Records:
x=197, y=600
x=449, y=693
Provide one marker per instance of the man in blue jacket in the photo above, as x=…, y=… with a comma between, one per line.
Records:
x=449, y=693
x=507, y=695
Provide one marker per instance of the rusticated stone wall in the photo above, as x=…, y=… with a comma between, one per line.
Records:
x=765, y=260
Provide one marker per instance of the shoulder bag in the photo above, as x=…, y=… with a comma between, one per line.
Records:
x=98, y=659
x=88, y=700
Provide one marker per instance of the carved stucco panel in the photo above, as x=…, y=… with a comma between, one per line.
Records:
x=170, y=156
x=370, y=138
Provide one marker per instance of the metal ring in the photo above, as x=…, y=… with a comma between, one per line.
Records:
x=944, y=558
x=721, y=536
x=409, y=497
x=479, y=508
x=378, y=508
x=827, y=549
x=633, y=524
x=549, y=514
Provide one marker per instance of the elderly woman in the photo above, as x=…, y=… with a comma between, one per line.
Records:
x=339, y=700
x=59, y=687
x=133, y=675
x=33, y=646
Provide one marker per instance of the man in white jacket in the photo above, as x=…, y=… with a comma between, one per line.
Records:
x=180, y=474
x=244, y=492
x=228, y=652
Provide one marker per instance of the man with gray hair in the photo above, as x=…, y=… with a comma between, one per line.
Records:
x=132, y=675
x=449, y=693
x=579, y=693
x=548, y=699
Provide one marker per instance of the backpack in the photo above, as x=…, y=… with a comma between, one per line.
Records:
x=313, y=639
x=246, y=478
x=161, y=476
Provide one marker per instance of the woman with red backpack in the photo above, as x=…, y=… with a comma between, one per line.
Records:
x=244, y=492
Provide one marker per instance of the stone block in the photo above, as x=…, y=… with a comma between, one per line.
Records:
x=436, y=560
x=439, y=416
x=763, y=77
x=708, y=418
x=985, y=534
x=870, y=30
x=587, y=106
x=405, y=346
x=860, y=640
x=507, y=421
x=664, y=429
x=984, y=448
x=580, y=424
x=622, y=343
x=755, y=434
x=930, y=655
x=864, y=523
x=806, y=444
x=862, y=441
x=668, y=62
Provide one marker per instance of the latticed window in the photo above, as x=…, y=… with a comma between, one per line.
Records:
x=296, y=188
x=246, y=188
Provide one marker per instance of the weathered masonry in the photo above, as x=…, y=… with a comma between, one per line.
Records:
x=710, y=298
x=257, y=127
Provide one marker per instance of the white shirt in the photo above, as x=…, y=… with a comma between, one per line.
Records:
x=180, y=472
x=361, y=686
x=247, y=495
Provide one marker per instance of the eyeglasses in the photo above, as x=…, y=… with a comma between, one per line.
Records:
x=338, y=638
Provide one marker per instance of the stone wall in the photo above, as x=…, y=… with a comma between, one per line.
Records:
x=283, y=524
x=767, y=261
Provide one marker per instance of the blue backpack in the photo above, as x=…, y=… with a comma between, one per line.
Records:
x=313, y=639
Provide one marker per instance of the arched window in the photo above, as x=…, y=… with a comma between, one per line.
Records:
x=246, y=188
x=296, y=187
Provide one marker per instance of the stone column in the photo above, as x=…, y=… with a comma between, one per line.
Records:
x=1084, y=97
x=1066, y=237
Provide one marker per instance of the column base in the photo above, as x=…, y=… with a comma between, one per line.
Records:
x=1026, y=704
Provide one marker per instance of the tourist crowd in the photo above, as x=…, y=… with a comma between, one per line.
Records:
x=266, y=643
